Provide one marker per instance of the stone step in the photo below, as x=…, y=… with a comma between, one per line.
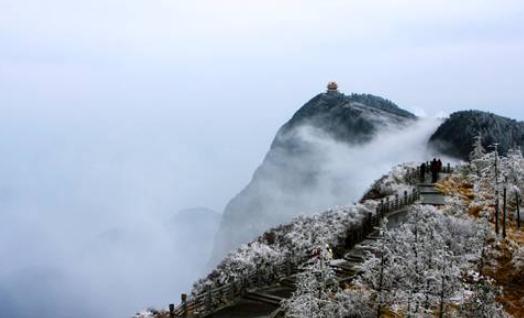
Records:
x=344, y=265
x=263, y=297
x=288, y=282
x=433, y=199
x=346, y=279
x=354, y=258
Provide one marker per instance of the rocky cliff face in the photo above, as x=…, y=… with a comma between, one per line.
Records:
x=295, y=176
x=455, y=136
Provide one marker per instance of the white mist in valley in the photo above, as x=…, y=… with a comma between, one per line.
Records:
x=88, y=225
x=310, y=172
x=348, y=171
x=89, y=221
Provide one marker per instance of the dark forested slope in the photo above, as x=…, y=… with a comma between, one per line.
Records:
x=455, y=136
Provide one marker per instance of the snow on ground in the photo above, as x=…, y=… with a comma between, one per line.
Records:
x=145, y=314
x=294, y=240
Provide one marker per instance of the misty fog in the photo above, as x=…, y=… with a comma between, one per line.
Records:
x=88, y=214
x=348, y=171
x=324, y=174
x=88, y=222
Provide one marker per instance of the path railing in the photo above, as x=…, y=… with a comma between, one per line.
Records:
x=396, y=202
x=214, y=299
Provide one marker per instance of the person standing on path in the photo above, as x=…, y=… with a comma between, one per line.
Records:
x=434, y=170
x=423, y=168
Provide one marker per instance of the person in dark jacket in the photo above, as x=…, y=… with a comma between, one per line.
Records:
x=434, y=170
x=423, y=168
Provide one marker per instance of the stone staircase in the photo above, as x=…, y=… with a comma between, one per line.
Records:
x=429, y=195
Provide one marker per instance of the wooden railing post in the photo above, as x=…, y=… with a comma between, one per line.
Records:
x=220, y=295
x=396, y=201
x=171, y=310
x=243, y=282
x=238, y=287
x=405, y=198
x=183, y=299
x=234, y=289
x=229, y=292
x=208, y=301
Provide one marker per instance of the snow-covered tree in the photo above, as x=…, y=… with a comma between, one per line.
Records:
x=315, y=292
x=478, y=150
x=491, y=174
x=419, y=265
x=513, y=168
x=483, y=302
x=356, y=303
x=383, y=267
x=518, y=259
x=291, y=242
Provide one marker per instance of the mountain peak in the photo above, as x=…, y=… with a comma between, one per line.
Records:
x=348, y=118
x=295, y=166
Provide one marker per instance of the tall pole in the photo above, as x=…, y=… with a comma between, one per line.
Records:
x=504, y=215
x=518, y=209
x=381, y=277
x=441, y=311
x=496, y=189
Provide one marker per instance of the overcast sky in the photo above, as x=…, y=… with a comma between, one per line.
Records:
x=213, y=80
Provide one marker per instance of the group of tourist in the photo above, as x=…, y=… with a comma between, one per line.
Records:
x=434, y=167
